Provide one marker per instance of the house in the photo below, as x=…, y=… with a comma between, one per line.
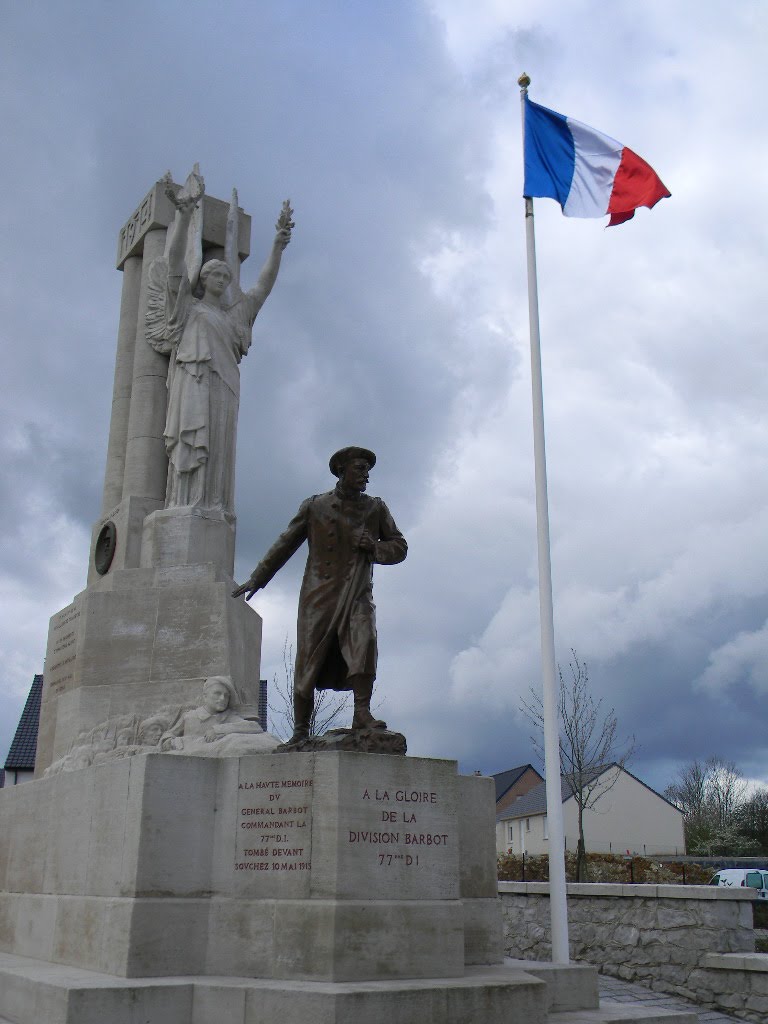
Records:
x=513, y=783
x=20, y=763
x=628, y=816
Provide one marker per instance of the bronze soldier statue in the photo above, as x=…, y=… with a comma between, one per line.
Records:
x=347, y=532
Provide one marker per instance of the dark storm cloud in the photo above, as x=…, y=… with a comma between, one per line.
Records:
x=359, y=118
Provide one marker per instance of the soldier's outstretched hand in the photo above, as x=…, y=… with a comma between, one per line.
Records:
x=248, y=588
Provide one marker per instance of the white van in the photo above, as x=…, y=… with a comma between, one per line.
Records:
x=754, y=878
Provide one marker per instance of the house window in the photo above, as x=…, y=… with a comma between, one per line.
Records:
x=511, y=830
x=546, y=827
x=527, y=824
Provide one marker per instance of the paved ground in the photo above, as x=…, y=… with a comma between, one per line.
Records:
x=612, y=990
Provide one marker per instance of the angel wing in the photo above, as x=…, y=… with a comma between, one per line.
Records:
x=156, y=321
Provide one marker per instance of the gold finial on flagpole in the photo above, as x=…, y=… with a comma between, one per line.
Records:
x=524, y=80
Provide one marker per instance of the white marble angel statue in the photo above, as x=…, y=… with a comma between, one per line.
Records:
x=205, y=337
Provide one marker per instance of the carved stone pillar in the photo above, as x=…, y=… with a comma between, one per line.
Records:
x=121, y=394
x=146, y=465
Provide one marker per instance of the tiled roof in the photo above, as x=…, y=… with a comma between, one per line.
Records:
x=24, y=745
x=532, y=802
x=535, y=800
x=506, y=779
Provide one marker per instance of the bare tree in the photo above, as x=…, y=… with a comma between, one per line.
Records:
x=753, y=816
x=713, y=798
x=591, y=757
x=689, y=792
x=329, y=705
x=727, y=788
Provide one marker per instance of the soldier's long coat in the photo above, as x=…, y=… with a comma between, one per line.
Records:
x=336, y=635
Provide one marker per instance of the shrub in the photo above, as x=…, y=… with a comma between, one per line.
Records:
x=602, y=867
x=514, y=868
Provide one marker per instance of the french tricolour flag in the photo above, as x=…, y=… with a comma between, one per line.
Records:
x=588, y=173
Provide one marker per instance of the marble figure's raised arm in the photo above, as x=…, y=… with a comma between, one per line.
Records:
x=266, y=280
x=185, y=201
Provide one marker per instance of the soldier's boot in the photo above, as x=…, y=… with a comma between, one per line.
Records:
x=302, y=716
x=363, y=690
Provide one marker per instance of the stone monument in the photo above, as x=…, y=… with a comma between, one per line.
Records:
x=168, y=865
x=155, y=619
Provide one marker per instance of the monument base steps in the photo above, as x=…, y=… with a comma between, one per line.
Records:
x=569, y=986
x=310, y=940
x=33, y=992
x=623, y=1014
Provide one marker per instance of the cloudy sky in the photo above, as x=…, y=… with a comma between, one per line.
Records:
x=400, y=322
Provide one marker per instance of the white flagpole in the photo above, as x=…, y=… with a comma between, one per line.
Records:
x=557, y=898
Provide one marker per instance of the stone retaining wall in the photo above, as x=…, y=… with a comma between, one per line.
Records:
x=694, y=941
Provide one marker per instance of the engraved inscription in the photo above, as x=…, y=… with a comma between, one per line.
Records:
x=60, y=664
x=67, y=616
x=144, y=211
x=134, y=226
x=62, y=650
x=272, y=826
x=62, y=642
x=61, y=684
x=409, y=825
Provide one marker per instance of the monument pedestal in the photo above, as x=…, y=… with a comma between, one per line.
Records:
x=138, y=639
x=185, y=536
x=321, y=867
x=329, y=887
x=326, y=886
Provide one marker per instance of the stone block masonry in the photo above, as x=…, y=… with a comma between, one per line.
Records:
x=139, y=639
x=318, y=867
x=696, y=942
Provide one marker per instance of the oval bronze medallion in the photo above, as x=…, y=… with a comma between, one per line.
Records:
x=104, y=551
